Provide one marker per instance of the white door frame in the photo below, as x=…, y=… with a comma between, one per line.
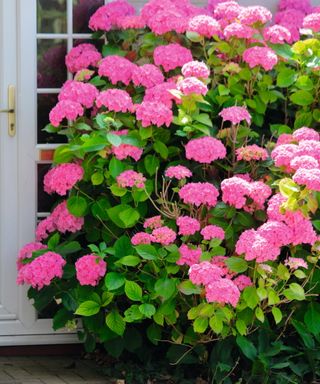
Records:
x=18, y=66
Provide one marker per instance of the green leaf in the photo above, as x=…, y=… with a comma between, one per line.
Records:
x=259, y=314
x=130, y=261
x=110, y=50
x=83, y=127
x=113, y=139
x=288, y=187
x=114, y=280
x=200, y=324
x=129, y=216
x=97, y=178
x=133, y=290
x=62, y=154
x=286, y=77
x=251, y=297
x=88, y=308
x=161, y=148
x=53, y=241
x=237, y=264
x=147, y=251
x=188, y=288
x=283, y=272
x=154, y=333
x=204, y=119
x=107, y=298
x=99, y=209
x=295, y=292
x=77, y=206
x=116, y=322
x=118, y=191
x=241, y=327
x=151, y=163
x=247, y=347
x=67, y=248
x=147, y=310
x=216, y=324
x=116, y=167
x=304, y=334
x=165, y=287
x=277, y=314
x=273, y=297
x=302, y=98
x=304, y=82
x=60, y=318
x=312, y=318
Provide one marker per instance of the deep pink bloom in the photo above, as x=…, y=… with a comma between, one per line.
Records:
x=301, y=5
x=115, y=100
x=254, y=14
x=64, y=220
x=62, y=178
x=195, y=69
x=205, y=150
x=277, y=34
x=309, y=148
x=227, y=10
x=131, y=179
x=178, y=172
x=90, y=269
x=161, y=94
x=308, y=177
x=187, y=225
x=153, y=222
x=239, y=31
x=149, y=112
x=204, y=273
x=79, y=92
x=212, y=232
x=65, y=109
x=192, y=85
x=81, y=57
x=277, y=233
x=131, y=22
x=251, y=152
x=242, y=282
x=204, y=25
x=164, y=235
x=306, y=133
x=142, y=238
x=283, y=154
x=127, y=150
x=285, y=138
x=167, y=20
x=235, y=115
x=189, y=256
x=223, y=291
x=263, y=56
x=306, y=162
x=147, y=75
x=199, y=194
x=171, y=56
x=117, y=69
x=312, y=22
x=26, y=252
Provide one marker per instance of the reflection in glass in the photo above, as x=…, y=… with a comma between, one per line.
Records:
x=45, y=201
x=52, y=72
x=82, y=11
x=52, y=16
x=46, y=102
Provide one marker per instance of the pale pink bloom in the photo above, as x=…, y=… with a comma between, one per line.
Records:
x=171, y=56
x=195, y=69
x=274, y=206
x=227, y=10
x=283, y=154
x=295, y=263
x=192, y=85
x=153, y=222
x=147, y=75
x=301, y=5
x=212, y=232
x=131, y=22
x=90, y=269
x=117, y=69
x=204, y=25
x=27, y=251
x=178, y=172
x=235, y=115
x=167, y=20
x=142, y=238
x=62, y=178
x=131, y=179
x=161, y=94
x=285, y=138
x=81, y=57
x=242, y=282
x=255, y=14
x=204, y=273
x=265, y=268
x=164, y=235
x=223, y=291
x=306, y=162
x=277, y=34
x=308, y=177
x=187, y=225
x=65, y=109
x=309, y=148
x=235, y=191
x=199, y=194
x=189, y=256
x=251, y=152
x=115, y=100
x=149, y=112
x=42, y=270
x=205, y=150
x=127, y=150
x=306, y=133
x=260, y=56
x=79, y=92
x=312, y=22
x=220, y=261
x=259, y=193
x=239, y=31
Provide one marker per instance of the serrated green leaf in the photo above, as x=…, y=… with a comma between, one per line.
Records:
x=133, y=290
x=116, y=322
x=88, y=308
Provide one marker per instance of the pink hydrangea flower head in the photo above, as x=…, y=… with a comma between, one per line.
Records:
x=308, y=177
x=259, y=193
x=171, y=19
x=251, y=152
x=65, y=109
x=42, y=270
x=127, y=150
x=277, y=34
x=235, y=191
x=255, y=14
x=212, y=232
x=115, y=100
x=274, y=206
x=239, y=31
x=309, y=148
x=189, y=256
x=192, y=85
x=62, y=178
x=199, y=194
x=107, y=15
x=90, y=269
x=161, y=94
x=147, y=75
x=306, y=133
x=204, y=25
x=312, y=22
x=235, y=115
x=178, y=172
x=26, y=252
x=171, y=56
x=195, y=69
x=187, y=225
x=292, y=19
x=242, y=282
x=223, y=291
x=301, y=5
x=142, y=238
x=306, y=162
x=131, y=179
x=285, y=138
x=153, y=222
x=205, y=150
x=260, y=56
x=227, y=10
x=277, y=233
x=204, y=273
x=44, y=228
x=164, y=235
x=131, y=22
x=79, y=92
x=116, y=69
x=81, y=57
x=151, y=112
x=295, y=263
x=302, y=229
x=64, y=221
x=283, y=154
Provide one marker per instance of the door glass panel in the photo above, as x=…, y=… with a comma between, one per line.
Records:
x=52, y=16
x=82, y=11
x=45, y=201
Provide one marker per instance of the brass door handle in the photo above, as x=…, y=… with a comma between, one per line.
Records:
x=11, y=111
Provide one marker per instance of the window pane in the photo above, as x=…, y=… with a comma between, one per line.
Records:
x=98, y=43
x=82, y=11
x=45, y=201
x=52, y=72
x=52, y=16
